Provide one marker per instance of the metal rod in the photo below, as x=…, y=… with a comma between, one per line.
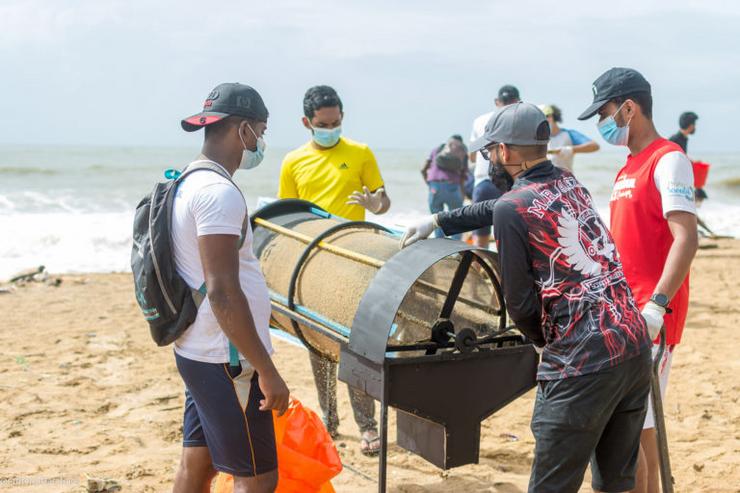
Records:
x=318, y=327
x=306, y=312
x=383, y=458
x=358, y=257
x=666, y=477
x=342, y=252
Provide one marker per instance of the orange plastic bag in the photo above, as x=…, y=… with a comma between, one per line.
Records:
x=307, y=458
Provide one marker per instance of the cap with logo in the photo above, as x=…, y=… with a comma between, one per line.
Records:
x=508, y=94
x=228, y=99
x=613, y=83
x=516, y=124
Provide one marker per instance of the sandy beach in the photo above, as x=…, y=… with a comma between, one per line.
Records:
x=84, y=391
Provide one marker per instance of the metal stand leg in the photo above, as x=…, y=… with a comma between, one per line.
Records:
x=383, y=457
x=666, y=477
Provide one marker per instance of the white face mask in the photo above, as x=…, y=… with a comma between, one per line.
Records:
x=252, y=159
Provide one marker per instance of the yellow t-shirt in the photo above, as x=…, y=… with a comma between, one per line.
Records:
x=327, y=177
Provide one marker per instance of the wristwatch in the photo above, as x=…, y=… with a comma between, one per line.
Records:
x=661, y=300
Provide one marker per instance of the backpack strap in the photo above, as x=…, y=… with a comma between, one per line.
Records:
x=199, y=295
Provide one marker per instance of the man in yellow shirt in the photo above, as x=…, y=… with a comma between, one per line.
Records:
x=341, y=176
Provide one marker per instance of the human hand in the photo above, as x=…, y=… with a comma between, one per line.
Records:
x=372, y=201
x=419, y=231
x=277, y=395
x=653, y=314
x=566, y=152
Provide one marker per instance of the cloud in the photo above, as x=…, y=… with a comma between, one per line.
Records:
x=124, y=72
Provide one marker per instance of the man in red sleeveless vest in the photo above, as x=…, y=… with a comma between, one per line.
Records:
x=653, y=222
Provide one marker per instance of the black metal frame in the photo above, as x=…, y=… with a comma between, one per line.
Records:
x=439, y=419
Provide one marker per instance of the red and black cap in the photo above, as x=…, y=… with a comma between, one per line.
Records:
x=228, y=99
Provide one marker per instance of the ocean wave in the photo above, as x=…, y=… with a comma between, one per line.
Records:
x=27, y=170
x=733, y=182
x=68, y=242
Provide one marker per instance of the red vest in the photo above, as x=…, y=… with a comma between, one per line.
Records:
x=641, y=233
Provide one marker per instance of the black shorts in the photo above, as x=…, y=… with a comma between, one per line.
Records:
x=596, y=417
x=222, y=413
x=485, y=190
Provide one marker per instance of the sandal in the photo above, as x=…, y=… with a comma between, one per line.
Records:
x=370, y=443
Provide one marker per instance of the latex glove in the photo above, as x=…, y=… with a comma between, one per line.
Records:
x=419, y=231
x=566, y=152
x=653, y=314
x=372, y=201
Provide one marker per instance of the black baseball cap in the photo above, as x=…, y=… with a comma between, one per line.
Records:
x=228, y=99
x=508, y=94
x=613, y=83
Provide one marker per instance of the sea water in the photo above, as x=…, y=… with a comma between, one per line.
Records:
x=71, y=209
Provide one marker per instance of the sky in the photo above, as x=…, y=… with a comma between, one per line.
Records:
x=410, y=73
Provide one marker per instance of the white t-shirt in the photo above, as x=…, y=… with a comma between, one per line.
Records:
x=674, y=179
x=565, y=138
x=557, y=141
x=481, y=165
x=206, y=203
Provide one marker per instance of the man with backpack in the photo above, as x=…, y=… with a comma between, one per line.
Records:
x=223, y=356
x=445, y=172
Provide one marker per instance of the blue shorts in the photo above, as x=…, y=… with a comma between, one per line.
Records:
x=222, y=413
x=485, y=190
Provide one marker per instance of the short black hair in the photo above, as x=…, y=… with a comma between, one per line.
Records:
x=687, y=119
x=557, y=115
x=319, y=97
x=222, y=125
x=643, y=99
x=457, y=137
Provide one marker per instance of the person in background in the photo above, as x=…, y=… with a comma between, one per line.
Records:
x=445, y=172
x=341, y=176
x=483, y=188
x=686, y=127
x=564, y=142
x=653, y=222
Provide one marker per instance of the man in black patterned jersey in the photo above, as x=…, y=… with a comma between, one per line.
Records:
x=565, y=289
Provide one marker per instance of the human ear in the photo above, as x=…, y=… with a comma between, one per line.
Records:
x=504, y=153
x=306, y=123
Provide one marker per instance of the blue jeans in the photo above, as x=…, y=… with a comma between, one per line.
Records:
x=443, y=194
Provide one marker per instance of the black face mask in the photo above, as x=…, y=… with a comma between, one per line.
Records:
x=498, y=174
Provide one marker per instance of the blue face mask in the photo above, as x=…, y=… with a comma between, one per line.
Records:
x=252, y=159
x=613, y=133
x=327, y=137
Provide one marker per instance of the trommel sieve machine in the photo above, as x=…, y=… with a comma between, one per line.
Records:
x=422, y=330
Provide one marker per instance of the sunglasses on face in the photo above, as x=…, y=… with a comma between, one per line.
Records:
x=486, y=151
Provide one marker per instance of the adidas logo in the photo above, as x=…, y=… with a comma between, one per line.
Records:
x=343, y=166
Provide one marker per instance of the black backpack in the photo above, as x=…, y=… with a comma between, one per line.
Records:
x=167, y=302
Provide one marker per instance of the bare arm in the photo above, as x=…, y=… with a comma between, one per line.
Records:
x=586, y=147
x=220, y=257
x=682, y=251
